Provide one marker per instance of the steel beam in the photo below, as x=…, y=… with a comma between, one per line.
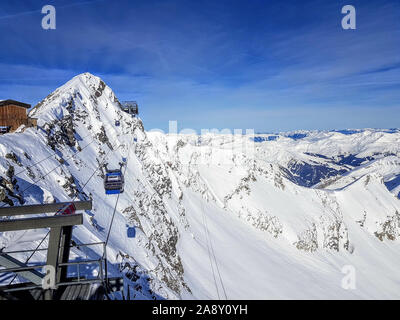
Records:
x=41, y=222
x=32, y=275
x=52, y=257
x=66, y=236
x=43, y=208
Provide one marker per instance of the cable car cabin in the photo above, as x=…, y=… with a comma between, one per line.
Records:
x=114, y=182
x=117, y=123
x=131, y=231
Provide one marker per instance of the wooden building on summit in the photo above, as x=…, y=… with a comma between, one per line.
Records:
x=13, y=114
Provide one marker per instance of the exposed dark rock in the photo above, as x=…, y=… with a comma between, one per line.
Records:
x=13, y=157
x=390, y=229
x=102, y=137
x=308, y=240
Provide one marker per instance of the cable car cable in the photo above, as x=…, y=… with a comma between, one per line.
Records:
x=100, y=164
x=116, y=203
x=211, y=264
x=36, y=181
x=54, y=153
x=215, y=260
x=111, y=224
x=212, y=255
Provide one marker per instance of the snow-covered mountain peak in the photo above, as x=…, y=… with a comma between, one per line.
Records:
x=83, y=93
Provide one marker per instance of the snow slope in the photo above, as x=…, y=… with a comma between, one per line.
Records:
x=216, y=216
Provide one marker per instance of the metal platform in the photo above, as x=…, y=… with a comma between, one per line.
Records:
x=73, y=291
x=64, y=286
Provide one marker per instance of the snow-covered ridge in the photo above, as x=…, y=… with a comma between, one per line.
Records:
x=210, y=218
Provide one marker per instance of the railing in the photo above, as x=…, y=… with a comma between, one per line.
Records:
x=101, y=262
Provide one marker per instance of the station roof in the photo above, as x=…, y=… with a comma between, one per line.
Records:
x=14, y=102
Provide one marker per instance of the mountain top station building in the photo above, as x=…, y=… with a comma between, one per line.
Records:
x=130, y=107
x=14, y=114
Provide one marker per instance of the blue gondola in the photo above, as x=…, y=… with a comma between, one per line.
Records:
x=135, y=139
x=117, y=123
x=114, y=182
x=131, y=232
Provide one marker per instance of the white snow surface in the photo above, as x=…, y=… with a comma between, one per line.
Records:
x=216, y=216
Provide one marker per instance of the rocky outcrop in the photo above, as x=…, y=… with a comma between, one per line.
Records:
x=389, y=229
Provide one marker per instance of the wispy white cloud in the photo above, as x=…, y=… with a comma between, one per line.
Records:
x=202, y=62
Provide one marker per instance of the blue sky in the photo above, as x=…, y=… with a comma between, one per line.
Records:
x=261, y=64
